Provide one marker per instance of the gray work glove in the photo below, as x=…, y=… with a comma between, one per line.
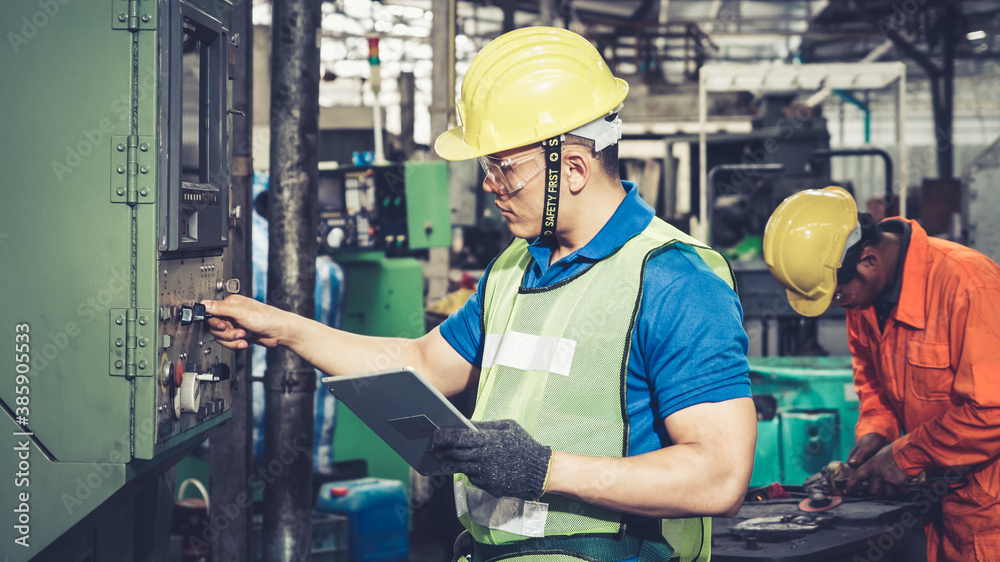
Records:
x=501, y=458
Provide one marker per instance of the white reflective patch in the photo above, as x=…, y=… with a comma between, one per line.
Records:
x=461, y=505
x=513, y=515
x=535, y=514
x=528, y=352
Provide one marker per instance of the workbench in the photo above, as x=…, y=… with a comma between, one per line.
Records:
x=859, y=529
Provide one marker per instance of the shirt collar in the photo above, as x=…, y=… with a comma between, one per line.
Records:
x=912, y=294
x=900, y=227
x=630, y=218
x=890, y=298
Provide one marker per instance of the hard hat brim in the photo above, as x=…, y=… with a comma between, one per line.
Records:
x=451, y=146
x=809, y=307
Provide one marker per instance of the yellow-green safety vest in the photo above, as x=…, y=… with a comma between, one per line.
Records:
x=555, y=359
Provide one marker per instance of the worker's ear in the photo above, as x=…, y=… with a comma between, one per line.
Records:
x=869, y=259
x=576, y=169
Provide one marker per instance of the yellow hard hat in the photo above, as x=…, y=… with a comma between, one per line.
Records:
x=804, y=244
x=526, y=86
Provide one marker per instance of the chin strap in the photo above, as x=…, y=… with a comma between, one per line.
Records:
x=553, y=171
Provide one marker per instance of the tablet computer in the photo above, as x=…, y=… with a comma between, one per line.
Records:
x=402, y=408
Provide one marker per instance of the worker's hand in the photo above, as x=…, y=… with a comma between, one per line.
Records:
x=880, y=475
x=501, y=458
x=239, y=321
x=868, y=445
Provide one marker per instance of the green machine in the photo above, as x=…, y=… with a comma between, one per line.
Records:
x=807, y=410
x=114, y=225
x=373, y=221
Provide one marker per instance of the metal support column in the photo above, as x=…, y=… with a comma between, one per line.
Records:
x=290, y=382
x=231, y=451
x=509, y=11
x=702, y=230
x=407, y=111
x=901, y=188
x=546, y=12
x=443, y=69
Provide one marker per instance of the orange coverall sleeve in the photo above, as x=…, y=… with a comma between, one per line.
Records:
x=969, y=434
x=875, y=415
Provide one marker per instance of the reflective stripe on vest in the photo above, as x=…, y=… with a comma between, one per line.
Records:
x=555, y=360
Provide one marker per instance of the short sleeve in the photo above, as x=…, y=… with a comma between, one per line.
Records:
x=463, y=329
x=690, y=333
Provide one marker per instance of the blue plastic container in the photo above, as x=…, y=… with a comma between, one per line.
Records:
x=379, y=517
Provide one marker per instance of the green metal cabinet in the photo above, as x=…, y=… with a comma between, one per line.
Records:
x=814, y=421
x=113, y=225
x=382, y=297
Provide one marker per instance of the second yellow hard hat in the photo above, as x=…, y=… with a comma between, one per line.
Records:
x=804, y=243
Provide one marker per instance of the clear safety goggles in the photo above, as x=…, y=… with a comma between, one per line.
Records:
x=511, y=174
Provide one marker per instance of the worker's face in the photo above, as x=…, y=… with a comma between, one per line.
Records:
x=515, y=177
x=863, y=287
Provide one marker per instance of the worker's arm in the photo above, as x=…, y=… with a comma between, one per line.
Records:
x=875, y=415
x=239, y=321
x=705, y=472
x=970, y=433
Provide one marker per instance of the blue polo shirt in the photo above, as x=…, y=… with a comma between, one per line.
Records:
x=688, y=346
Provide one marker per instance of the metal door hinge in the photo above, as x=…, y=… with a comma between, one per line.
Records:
x=133, y=15
x=131, y=348
x=133, y=169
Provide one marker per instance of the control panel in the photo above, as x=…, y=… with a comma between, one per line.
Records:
x=193, y=370
x=397, y=209
x=363, y=209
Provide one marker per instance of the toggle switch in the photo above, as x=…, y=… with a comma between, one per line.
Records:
x=193, y=313
x=187, y=315
x=216, y=373
x=199, y=312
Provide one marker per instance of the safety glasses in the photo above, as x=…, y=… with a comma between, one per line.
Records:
x=513, y=173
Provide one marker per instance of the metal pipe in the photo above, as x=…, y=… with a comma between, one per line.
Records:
x=231, y=453
x=848, y=97
x=830, y=153
x=289, y=382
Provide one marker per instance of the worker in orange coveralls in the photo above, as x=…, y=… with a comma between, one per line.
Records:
x=923, y=326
